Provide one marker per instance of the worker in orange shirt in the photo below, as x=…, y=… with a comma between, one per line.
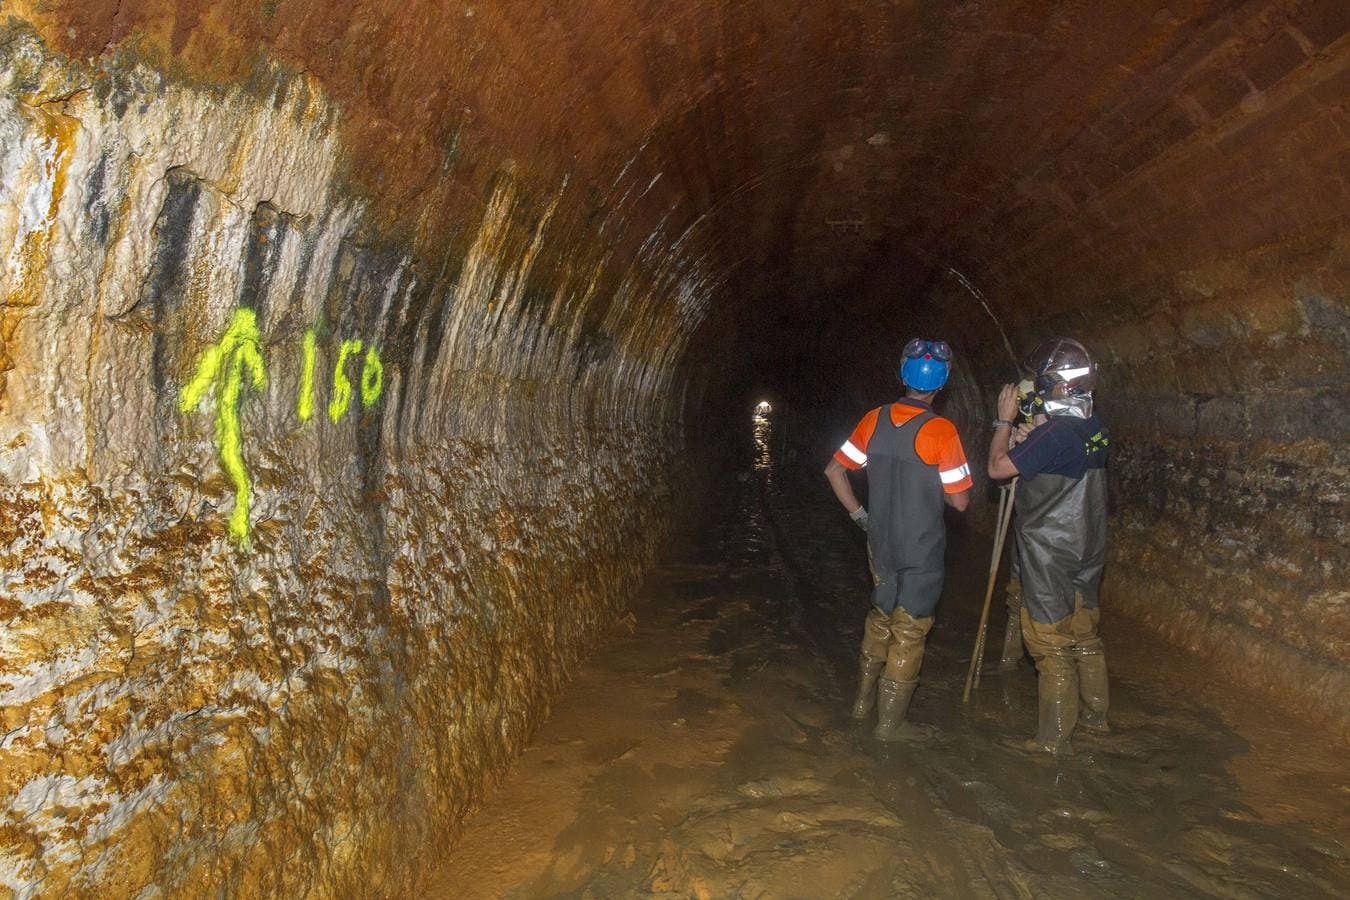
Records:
x=915, y=465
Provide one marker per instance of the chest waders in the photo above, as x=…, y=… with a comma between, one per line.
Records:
x=1061, y=548
x=906, y=533
x=907, y=539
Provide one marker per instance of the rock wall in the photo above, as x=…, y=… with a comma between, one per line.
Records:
x=343, y=368
x=1231, y=418
x=302, y=526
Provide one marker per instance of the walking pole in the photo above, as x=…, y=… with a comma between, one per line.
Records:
x=1002, y=542
x=1005, y=508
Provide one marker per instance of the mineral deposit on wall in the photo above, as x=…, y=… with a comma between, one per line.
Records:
x=301, y=531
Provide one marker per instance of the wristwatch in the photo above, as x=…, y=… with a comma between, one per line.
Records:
x=998, y=422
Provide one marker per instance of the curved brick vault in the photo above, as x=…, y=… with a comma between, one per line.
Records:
x=349, y=353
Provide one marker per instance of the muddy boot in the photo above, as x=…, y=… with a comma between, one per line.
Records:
x=869, y=669
x=1089, y=656
x=871, y=657
x=1012, y=636
x=1057, y=698
x=1052, y=645
x=1093, y=691
x=892, y=703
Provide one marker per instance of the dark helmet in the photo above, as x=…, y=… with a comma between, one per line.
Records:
x=1064, y=374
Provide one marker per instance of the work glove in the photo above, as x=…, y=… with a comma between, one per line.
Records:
x=859, y=517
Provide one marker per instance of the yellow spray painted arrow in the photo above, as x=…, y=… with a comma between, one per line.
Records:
x=223, y=366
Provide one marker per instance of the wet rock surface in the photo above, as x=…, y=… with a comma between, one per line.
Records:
x=300, y=531
x=349, y=355
x=708, y=754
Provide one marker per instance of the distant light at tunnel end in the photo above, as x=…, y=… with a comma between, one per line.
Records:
x=763, y=408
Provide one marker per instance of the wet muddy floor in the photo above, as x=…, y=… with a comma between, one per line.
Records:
x=708, y=752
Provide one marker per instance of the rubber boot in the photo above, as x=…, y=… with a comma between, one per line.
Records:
x=1090, y=661
x=1012, y=636
x=1093, y=691
x=904, y=655
x=876, y=643
x=868, y=669
x=1057, y=698
x=892, y=703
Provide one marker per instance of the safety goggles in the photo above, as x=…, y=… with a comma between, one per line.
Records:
x=919, y=348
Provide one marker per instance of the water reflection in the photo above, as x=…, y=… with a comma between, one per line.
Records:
x=763, y=434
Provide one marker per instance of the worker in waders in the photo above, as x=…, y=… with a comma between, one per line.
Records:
x=1061, y=538
x=915, y=464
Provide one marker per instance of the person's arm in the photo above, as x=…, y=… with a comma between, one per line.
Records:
x=953, y=468
x=838, y=478
x=1000, y=466
x=852, y=455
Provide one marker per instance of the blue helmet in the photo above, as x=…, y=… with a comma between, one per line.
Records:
x=927, y=364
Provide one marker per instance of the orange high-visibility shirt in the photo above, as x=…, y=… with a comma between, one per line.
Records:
x=937, y=444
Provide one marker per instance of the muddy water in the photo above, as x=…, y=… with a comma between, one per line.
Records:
x=707, y=752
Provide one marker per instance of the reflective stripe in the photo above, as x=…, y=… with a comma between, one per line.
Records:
x=951, y=476
x=854, y=453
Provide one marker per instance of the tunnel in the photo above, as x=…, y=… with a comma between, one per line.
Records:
x=372, y=375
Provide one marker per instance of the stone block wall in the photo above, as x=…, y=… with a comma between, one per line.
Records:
x=302, y=527
x=1231, y=415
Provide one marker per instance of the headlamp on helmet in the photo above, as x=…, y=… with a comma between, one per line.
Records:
x=1063, y=375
